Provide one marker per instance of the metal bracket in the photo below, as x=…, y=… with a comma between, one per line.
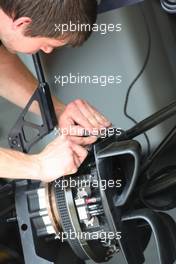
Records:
x=17, y=137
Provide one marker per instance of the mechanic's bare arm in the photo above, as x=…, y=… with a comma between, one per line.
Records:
x=59, y=158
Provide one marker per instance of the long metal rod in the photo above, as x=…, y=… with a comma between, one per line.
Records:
x=150, y=122
x=38, y=68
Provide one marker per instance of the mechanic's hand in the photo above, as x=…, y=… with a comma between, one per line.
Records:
x=79, y=116
x=61, y=157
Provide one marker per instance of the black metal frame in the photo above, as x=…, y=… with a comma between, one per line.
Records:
x=17, y=138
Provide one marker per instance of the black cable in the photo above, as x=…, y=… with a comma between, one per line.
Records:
x=137, y=78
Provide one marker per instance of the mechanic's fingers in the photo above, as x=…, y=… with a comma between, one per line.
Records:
x=78, y=117
x=73, y=162
x=76, y=160
x=100, y=118
x=84, y=141
x=80, y=152
x=74, y=130
x=90, y=115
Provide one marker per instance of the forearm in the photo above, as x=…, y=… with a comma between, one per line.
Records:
x=17, y=84
x=17, y=165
